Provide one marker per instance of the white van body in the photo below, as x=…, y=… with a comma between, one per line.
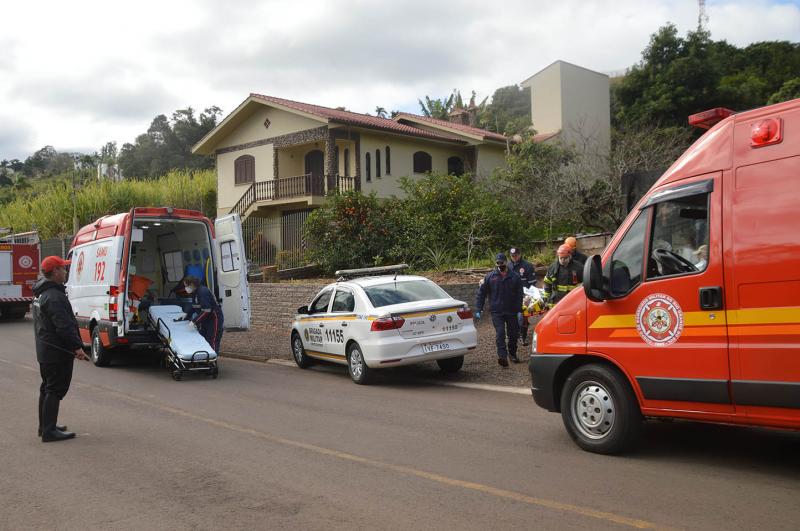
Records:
x=120, y=260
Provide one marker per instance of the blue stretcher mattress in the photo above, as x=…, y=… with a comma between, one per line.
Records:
x=183, y=340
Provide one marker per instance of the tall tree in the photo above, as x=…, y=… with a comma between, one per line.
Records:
x=509, y=112
x=167, y=144
x=679, y=76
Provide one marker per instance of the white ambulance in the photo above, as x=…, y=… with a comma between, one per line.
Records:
x=121, y=261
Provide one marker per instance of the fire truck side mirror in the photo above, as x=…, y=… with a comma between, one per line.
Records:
x=593, y=282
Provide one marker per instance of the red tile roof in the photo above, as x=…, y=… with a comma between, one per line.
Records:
x=358, y=119
x=483, y=133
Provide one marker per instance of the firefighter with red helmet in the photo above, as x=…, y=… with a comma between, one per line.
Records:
x=563, y=275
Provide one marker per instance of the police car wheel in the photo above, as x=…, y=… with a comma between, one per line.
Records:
x=101, y=356
x=451, y=365
x=359, y=372
x=600, y=411
x=299, y=352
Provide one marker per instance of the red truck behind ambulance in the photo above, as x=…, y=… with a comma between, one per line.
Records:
x=693, y=311
x=19, y=269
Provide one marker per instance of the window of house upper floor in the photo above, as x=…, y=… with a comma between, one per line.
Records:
x=244, y=170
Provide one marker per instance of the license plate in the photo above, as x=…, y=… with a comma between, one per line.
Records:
x=435, y=347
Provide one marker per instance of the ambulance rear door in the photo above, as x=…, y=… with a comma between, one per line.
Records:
x=231, y=267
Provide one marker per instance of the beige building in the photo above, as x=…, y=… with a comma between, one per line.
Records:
x=277, y=159
x=573, y=103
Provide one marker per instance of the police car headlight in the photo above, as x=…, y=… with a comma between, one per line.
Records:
x=533, y=342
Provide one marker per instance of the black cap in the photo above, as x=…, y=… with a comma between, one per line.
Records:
x=501, y=257
x=514, y=250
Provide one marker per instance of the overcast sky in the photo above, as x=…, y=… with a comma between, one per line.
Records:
x=77, y=74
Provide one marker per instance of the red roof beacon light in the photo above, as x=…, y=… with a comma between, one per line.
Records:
x=766, y=132
x=707, y=119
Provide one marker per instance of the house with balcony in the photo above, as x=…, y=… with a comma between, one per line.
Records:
x=277, y=159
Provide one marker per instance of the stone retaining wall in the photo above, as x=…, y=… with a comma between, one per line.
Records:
x=275, y=305
x=273, y=308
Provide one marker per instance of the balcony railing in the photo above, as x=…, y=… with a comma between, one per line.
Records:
x=297, y=186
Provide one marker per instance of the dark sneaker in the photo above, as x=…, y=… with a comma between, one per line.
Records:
x=503, y=362
x=525, y=342
x=514, y=359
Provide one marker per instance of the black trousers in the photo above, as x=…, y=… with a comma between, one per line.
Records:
x=56, y=378
x=505, y=323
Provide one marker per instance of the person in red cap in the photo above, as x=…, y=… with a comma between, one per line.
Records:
x=58, y=343
x=562, y=276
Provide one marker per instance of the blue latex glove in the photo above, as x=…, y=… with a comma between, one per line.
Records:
x=477, y=315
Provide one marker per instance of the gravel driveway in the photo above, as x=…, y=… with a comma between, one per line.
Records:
x=480, y=366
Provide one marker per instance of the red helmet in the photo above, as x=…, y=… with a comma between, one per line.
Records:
x=564, y=250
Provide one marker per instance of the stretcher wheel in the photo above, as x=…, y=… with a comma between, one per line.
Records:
x=214, y=373
x=177, y=375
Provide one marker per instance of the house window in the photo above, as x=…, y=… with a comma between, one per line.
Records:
x=422, y=162
x=347, y=163
x=388, y=161
x=244, y=170
x=455, y=166
x=377, y=163
x=368, y=174
x=336, y=159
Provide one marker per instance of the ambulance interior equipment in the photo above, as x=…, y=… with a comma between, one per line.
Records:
x=162, y=254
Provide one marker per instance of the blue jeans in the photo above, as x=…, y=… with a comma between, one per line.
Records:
x=505, y=324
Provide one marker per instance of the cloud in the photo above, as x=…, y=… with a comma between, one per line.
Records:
x=112, y=93
x=81, y=77
x=15, y=138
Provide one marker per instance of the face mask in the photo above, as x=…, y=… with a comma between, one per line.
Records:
x=189, y=289
x=501, y=267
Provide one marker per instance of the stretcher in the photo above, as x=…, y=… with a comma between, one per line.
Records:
x=187, y=350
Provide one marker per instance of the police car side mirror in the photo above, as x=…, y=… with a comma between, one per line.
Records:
x=593, y=282
x=303, y=310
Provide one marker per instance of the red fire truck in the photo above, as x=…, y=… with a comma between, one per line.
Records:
x=693, y=311
x=19, y=268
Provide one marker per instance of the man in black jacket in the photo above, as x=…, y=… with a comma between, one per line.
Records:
x=58, y=343
x=504, y=289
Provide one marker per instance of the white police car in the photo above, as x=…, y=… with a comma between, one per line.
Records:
x=370, y=320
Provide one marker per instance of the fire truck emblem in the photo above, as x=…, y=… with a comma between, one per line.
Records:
x=79, y=267
x=25, y=261
x=659, y=320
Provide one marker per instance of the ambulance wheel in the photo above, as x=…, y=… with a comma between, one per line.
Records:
x=359, y=372
x=451, y=365
x=101, y=356
x=299, y=352
x=600, y=411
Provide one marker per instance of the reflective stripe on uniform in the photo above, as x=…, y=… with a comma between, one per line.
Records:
x=565, y=288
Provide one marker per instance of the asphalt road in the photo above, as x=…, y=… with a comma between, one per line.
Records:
x=270, y=446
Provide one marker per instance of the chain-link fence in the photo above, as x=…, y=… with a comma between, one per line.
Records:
x=56, y=247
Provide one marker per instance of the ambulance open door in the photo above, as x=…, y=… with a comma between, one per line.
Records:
x=232, y=272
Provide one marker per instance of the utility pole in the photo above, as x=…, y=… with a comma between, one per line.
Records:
x=702, y=16
x=75, y=226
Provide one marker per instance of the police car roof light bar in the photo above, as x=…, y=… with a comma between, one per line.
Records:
x=369, y=271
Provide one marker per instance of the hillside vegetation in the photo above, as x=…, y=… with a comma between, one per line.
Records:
x=49, y=208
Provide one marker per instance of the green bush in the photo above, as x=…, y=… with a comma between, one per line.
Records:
x=444, y=220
